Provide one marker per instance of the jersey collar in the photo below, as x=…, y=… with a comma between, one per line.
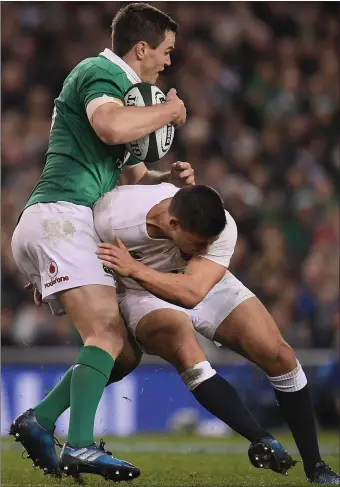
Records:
x=130, y=73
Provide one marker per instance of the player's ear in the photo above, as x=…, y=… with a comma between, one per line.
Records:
x=141, y=47
x=174, y=223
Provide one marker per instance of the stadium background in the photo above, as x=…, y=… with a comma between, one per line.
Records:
x=260, y=81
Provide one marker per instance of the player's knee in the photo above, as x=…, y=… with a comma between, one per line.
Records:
x=157, y=334
x=285, y=359
x=279, y=358
x=287, y=356
x=105, y=330
x=175, y=343
x=105, y=322
x=183, y=351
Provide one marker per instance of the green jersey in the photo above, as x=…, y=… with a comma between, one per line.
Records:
x=79, y=167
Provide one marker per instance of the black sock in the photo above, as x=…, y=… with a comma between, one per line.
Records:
x=298, y=412
x=221, y=399
x=117, y=373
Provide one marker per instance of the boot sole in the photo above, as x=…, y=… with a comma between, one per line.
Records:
x=19, y=436
x=72, y=466
x=263, y=456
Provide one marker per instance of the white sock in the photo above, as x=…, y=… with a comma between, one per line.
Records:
x=197, y=374
x=291, y=382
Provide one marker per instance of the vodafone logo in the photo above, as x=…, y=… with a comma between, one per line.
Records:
x=52, y=269
x=56, y=280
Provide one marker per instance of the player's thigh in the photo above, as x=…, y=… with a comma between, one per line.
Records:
x=61, y=241
x=93, y=309
x=161, y=328
x=251, y=331
x=218, y=305
x=169, y=334
x=134, y=305
x=26, y=265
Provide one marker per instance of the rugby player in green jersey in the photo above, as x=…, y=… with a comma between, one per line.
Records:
x=55, y=241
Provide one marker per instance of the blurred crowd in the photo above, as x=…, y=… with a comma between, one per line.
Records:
x=261, y=85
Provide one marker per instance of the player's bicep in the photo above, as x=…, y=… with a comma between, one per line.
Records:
x=204, y=274
x=101, y=94
x=96, y=103
x=103, y=121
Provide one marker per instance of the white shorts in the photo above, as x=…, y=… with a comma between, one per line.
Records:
x=205, y=317
x=54, y=245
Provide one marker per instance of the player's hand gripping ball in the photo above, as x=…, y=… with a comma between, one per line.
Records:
x=154, y=146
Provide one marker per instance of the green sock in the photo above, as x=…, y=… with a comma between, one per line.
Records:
x=55, y=403
x=89, y=378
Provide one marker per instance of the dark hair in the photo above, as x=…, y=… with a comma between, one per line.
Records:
x=139, y=22
x=199, y=209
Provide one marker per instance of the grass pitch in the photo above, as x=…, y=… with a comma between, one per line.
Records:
x=176, y=461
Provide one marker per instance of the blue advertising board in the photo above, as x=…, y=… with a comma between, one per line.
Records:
x=143, y=401
x=146, y=400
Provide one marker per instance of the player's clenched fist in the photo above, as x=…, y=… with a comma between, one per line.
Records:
x=182, y=174
x=180, y=112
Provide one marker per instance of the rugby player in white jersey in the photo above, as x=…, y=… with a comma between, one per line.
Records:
x=171, y=257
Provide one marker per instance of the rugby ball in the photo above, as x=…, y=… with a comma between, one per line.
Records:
x=154, y=146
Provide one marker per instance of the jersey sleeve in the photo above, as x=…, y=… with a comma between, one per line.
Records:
x=97, y=82
x=222, y=249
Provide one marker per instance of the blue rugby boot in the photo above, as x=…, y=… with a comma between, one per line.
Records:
x=323, y=475
x=37, y=441
x=269, y=453
x=96, y=460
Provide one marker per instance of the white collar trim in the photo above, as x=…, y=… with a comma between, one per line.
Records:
x=130, y=73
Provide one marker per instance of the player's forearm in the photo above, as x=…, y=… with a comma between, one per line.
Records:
x=155, y=177
x=174, y=288
x=131, y=123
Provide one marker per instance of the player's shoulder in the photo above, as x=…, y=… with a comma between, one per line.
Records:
x=99, y=67
x=230, y=229
x=230, y=220
x=166, y=189
x=138, y=199
x=223, y=248
x=149, y=194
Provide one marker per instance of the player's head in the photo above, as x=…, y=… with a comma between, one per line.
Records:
x=147, y=34
x=196, y=218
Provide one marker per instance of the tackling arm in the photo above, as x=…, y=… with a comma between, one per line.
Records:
x=181, y=174
x=140, y=174
x=186, y=290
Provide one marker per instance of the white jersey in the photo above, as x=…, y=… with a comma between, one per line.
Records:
x=122, y=212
